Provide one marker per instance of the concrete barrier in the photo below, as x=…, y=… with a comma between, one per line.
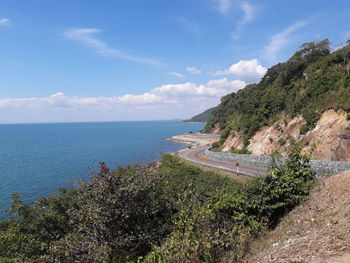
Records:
x=322, y=168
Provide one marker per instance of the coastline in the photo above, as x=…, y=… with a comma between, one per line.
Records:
x=195, y=139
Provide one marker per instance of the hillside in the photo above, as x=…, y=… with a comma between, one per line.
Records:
x=300, y=90
x=202, y=117
x=316, y=231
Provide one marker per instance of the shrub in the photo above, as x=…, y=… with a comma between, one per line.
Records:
x=225, y=224
x=115, y=217
x=240, y=151
x=305, y=128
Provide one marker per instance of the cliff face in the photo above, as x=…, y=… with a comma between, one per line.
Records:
x=331, y=137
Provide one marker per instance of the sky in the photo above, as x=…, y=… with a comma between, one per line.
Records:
x=119, y=60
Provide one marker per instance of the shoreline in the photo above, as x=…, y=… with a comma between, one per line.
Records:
x=195, y=139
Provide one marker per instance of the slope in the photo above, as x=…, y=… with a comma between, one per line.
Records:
x=310, y=82
x=202, y=117
x=317, y=231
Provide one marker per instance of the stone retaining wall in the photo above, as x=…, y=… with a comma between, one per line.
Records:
x=204, y=135
x=322, y=168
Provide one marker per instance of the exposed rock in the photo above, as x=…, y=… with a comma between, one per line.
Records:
x=331, y=136
x=216, y=129
x=152, y=167
x=233, y=142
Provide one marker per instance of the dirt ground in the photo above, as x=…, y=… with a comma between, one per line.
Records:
x=318, y=231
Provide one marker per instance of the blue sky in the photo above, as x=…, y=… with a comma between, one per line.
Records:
x=87, y=60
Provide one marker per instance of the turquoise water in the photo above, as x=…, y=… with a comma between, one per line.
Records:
x=36, y=159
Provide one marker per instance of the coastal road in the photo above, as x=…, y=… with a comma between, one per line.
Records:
x=195, y=155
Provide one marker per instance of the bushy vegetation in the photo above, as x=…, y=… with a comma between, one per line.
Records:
x=215, y=147
x=312, y=80
x=240, y=151
x=202, y=117
x=177, y=213
x=222, y=228
x=115, y=217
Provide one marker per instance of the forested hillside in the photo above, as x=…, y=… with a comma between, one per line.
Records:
x=202, y=117
x=312, y=80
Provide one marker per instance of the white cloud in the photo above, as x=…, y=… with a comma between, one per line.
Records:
x=4, y=21
x=168, y=93
x=194, y=70
x=176, y=74
x=248, y=70
x=280, y=40
x=86, y=36
x=213, y=88
x=249, y=14
x=163, y=102
x=224, y=6
x=146, y=98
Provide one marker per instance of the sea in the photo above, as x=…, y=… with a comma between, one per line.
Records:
x=37, y=159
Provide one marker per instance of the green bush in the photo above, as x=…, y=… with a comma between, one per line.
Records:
x=116, y=217
x=178, y=213
x=240, y=151
x=224, y=226
x=215, y=147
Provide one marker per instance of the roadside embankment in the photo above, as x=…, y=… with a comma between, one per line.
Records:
x=322, y=168
x=317, y=231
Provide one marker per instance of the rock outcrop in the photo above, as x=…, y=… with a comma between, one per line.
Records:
x=331, y=137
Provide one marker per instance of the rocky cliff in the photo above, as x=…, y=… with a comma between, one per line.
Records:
x=330, y=137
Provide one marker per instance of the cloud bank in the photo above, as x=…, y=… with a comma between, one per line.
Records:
x=163, y=102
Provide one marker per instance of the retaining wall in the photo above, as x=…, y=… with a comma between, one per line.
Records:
x=204, y=135
x=320, y=167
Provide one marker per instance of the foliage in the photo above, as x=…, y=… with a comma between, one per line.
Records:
x=202, y=117
x=240, y=151
x=177, y=213
x=312, y=80
x=221, y=229
x=215, y=147
x=116, y=217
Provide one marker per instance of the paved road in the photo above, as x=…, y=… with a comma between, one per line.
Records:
x=195, y=154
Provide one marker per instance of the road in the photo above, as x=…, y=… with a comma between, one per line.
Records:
x=195, y=155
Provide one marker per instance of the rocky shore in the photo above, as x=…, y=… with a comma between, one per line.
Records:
x=195, y=139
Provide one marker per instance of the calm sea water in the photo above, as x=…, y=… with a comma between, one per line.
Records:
x=36, y=159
